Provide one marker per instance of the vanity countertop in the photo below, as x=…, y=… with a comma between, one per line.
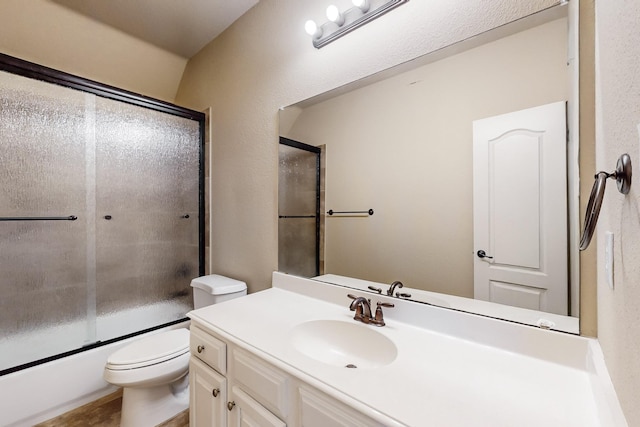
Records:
x=451, y=369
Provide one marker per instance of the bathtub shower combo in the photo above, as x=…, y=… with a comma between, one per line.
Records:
x=101, y=214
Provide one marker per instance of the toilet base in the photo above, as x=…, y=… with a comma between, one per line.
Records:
x=150, y=406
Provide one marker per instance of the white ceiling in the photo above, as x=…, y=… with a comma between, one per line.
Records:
x=179, y=26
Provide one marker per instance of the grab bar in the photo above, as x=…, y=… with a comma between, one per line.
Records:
x=39, y=218
x=622, y=175
x=331, y=212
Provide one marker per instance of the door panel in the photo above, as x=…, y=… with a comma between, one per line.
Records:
x=206, y=408
x=520, y=209
x=514, y=199
x=517, y=295
x=249, y=413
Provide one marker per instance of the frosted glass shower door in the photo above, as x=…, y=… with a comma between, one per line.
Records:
x=43, y=268
x=101, y=228
x=147, y=205
x=299, y=208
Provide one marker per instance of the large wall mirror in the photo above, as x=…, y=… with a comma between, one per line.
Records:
x=399, y=173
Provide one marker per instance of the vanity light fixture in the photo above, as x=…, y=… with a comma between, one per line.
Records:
x=341, y=23
x=363, y=5
x=312, y=29
x=334, y=15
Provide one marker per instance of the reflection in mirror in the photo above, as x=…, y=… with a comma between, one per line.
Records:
x=404, y=147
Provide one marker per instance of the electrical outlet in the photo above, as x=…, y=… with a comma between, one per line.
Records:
x=608, y=258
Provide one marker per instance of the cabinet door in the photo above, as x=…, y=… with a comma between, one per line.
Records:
x=246, y=412
x=320, y=410
x=207, y=396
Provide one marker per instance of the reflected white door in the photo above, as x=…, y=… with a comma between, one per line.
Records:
x=520, y=209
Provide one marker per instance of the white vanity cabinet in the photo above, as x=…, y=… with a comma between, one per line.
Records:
x=230, y=386
x=237, y=396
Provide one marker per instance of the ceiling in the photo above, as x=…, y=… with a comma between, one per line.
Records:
x=179, y=26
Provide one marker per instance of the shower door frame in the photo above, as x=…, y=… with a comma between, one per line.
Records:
x=39, y=72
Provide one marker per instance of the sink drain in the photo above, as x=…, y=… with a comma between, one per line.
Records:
x=351, y=365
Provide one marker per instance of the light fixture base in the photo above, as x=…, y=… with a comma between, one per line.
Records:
x=353, y=21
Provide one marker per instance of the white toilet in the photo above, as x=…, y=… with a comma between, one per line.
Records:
x=153, y=370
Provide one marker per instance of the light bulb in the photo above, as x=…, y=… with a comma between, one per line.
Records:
x=363, y=5
x=312, y=29
x=334, y=15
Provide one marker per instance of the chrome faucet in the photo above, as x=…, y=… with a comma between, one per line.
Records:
x=393, y=286
x=362, y=307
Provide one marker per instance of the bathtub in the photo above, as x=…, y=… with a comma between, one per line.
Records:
x=44, y=391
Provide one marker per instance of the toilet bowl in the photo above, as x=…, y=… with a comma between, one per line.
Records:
x=153, y=370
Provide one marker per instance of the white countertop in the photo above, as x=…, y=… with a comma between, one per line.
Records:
x=459, y=375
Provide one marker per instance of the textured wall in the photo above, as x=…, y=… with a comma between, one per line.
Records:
x=48, y=34
x=265, y=61
x=617, y=132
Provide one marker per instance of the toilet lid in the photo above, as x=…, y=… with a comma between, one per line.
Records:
x=151, y=350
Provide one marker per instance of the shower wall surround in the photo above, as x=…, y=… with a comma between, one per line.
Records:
x=129, y=169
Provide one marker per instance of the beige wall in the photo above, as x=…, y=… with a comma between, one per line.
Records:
x=617, y=118
x=265, y=61
x=49, y=34
x=588, y=294
x=404, y=147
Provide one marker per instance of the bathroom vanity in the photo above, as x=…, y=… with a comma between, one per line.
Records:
x=293, y=355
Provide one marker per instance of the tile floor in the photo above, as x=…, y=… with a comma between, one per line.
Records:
x=104, y=412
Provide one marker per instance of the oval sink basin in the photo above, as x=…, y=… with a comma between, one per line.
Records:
x=343, y=344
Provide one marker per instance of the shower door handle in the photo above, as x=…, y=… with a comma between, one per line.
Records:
x=39, y=218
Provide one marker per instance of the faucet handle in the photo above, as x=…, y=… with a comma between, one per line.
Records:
x=379, y=319
x=373, y=288
x=385, y=304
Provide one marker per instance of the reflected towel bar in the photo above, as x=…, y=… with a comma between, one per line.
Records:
x=331, y=212
x=296, y=216
x=40, y=218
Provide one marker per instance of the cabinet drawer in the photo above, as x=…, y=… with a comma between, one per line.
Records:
x=263, y=382
x=210, y=350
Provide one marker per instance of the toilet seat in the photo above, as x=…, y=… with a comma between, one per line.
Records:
x=151, y=350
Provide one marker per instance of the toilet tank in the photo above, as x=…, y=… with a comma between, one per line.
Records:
x=213, y=289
